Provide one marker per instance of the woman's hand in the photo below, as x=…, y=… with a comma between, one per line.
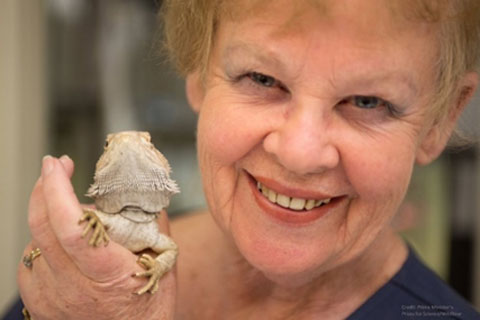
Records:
x=72, y=280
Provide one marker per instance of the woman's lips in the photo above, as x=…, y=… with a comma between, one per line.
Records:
x=291, y=210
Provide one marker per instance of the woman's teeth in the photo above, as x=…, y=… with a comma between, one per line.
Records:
x=298, y=204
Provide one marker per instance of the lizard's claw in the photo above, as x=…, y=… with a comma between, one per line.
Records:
x=93, y=223
x=154, y=271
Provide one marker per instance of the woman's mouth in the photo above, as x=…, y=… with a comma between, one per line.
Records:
x=291, y=208
x=297, y=204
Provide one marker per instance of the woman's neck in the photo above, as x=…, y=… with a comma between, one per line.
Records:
x=334, y=294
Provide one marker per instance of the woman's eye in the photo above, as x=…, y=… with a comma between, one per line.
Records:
x=367, y=107
x=263, y=80
x=257, y=85
x=366, y=102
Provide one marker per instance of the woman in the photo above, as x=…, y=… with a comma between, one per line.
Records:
x=312, y=115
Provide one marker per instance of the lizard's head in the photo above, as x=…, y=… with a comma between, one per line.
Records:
x=131, y=168
x=125, y=143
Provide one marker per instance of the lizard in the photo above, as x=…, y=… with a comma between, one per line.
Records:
x=131, y=187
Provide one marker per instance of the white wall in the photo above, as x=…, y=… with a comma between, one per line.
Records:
x=22, y=127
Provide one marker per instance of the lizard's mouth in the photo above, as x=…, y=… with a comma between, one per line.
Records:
x=137, y=215
x=135, y=208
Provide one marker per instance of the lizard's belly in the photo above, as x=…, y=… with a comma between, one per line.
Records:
x=135, y=235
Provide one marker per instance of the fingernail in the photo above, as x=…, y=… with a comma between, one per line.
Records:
x=64, y=159
x=47, y=165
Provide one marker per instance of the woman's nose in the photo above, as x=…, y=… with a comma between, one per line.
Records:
x=304, y=143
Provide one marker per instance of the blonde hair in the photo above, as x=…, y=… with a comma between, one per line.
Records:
x=190, y=27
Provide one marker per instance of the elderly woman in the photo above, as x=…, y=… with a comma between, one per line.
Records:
x=312, y=115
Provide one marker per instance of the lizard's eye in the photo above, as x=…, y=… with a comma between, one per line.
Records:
x=106, y=143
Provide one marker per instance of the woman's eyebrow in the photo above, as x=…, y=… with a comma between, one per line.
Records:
x=368, y=79
x=379, y=79
x=251, y=53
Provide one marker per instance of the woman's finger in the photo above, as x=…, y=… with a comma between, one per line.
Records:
x=67, y=164
x=35, y=283
x=41, y=231
x=37, y=215
x=28, y=276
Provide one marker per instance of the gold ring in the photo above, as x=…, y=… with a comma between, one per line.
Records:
x=26, y=314
x=28, y=259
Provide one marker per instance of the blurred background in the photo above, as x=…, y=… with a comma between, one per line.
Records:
x=72, y=71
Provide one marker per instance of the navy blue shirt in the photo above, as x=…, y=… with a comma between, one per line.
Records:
x=415, y=292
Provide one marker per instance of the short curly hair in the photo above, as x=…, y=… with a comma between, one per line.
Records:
x=190, y=27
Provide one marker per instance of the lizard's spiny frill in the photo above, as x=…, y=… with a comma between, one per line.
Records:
x=115, y=190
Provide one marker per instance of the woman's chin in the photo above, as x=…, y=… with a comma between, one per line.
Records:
x=292, y=267
x=293, y=277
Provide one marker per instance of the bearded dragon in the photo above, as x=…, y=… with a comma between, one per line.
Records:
x=131, y=187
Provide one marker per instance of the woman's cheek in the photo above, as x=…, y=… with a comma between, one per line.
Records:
x=226, y=135
x=381, y=173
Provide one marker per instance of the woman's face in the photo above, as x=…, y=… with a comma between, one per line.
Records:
x=323, y=112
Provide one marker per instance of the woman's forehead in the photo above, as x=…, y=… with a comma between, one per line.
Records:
x=368, y=21
x=418, y=10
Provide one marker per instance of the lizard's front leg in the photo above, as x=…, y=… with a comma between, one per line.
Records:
x=156, y=268
x=94, y=223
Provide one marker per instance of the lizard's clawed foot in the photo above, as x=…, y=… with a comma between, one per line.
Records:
x=93, y=223
x=155, y=271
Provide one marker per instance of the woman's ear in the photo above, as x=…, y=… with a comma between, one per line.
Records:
x=195, y=90
x=439, y=133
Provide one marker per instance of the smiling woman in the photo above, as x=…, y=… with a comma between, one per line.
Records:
x=311, y=117
x=303, y=137
x=320, y=114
